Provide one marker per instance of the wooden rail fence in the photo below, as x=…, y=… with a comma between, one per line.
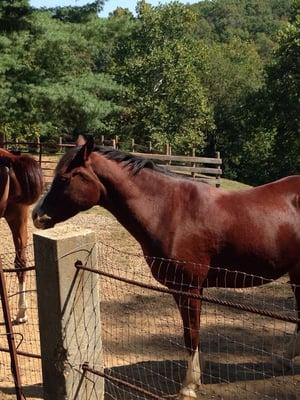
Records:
x=207, y=168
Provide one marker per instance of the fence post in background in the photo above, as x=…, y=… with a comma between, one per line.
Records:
x=218, y=177
x=132, y=145
x=61, y=148
x=2, y=139
x=69, y=314
x=102, y=140
x=193, y=164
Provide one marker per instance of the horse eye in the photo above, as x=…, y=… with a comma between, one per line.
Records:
x=63, y=179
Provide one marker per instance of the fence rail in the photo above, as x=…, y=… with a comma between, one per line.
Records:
x=208, y=168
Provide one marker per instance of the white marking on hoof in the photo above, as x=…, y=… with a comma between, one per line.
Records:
x=20, y=320
x=187, y=393
x=21, y=317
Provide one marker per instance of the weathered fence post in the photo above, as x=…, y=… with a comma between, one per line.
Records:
x=69, y=314
x=2, y=139
x=218, y=177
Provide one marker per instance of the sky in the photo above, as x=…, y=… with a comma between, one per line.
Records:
x=109, y=5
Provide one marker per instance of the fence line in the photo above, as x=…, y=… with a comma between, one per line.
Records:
x=208, y=168
x=27, y=349
x=10, y=337
x=208, y=299
x=135, y=324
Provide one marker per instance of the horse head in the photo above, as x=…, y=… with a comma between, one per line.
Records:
x=75, y=187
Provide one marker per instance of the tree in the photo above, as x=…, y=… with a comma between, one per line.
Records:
x=165, y=100
x=14, y=15
x=282, y=93
x=49, y=81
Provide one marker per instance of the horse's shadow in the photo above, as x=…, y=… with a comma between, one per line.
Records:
x=164, y=378
x=31, y=391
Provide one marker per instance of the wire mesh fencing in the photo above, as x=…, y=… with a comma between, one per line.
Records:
x=26, y=335
x=143, y=354
x=142, y=336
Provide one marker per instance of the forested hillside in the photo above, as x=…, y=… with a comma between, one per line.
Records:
x=217, y=75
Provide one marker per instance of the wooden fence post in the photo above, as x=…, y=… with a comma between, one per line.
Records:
x=2, y=139
x=218, y=177
x=193, y=164
x=69, y=314
x=60, y=147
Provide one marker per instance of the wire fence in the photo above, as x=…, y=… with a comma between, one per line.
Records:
x=26, y=335
x=143, y=341
x=143, y=354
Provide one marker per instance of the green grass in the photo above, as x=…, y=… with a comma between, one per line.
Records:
x=233, y=185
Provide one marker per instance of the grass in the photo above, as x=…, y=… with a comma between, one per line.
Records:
x=233, y=185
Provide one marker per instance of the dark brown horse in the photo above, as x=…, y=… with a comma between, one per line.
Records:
x=21, y=184
x=254, y=231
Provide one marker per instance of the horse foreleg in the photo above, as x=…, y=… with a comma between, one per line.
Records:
x=190, y=313
x=17, y=219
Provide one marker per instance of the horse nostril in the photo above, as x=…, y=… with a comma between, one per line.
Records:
x=43, y=221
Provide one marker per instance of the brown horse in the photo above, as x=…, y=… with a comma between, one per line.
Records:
x=255, y=231
x=21, y=184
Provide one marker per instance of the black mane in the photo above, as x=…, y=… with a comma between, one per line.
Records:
x=134, y=162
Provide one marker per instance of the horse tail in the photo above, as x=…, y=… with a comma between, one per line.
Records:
x=30, y=178
x=4, y=188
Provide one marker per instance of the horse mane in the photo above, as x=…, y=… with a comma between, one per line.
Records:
x=137, y=163
x=29, y=175
x=134, y=162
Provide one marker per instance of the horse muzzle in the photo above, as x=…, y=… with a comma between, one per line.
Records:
x=42, y=221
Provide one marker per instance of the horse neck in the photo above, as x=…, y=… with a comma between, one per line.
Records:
x=138, y=201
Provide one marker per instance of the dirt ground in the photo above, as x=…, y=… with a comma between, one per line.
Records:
x=142, y=333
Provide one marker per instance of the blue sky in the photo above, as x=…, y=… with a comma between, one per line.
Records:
x=109, y=6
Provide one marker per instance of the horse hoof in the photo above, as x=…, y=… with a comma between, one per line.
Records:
x=187, y=394
x=20, y=320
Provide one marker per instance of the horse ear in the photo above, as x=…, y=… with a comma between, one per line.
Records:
x=89, y=144
x=87, y=141
x=81, y=140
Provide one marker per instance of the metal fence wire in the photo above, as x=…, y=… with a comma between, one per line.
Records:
x=26, y=335
x=143, y=337
x=143, y=355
